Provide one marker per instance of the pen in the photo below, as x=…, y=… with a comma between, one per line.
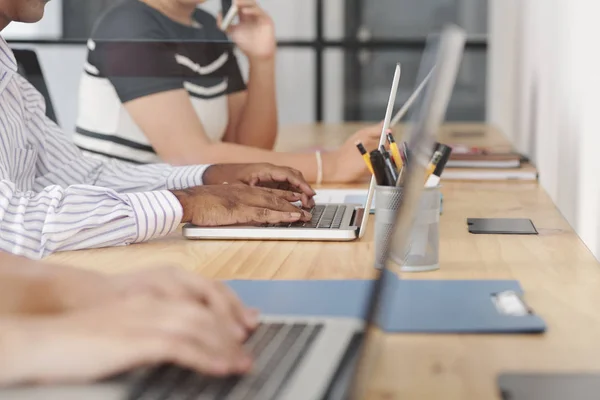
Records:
x=386, y=154
x=395, y=150
x=379, y=168
x=389, y=164
x=433, y=164
x=365, y=156
x=404, y=153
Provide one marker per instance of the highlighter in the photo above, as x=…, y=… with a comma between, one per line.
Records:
x=433, y=164
x=395, y=150
x=365, y=156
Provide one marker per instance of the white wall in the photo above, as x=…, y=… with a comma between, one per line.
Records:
x=50, y=27
x=504, y=31
x=543, y=92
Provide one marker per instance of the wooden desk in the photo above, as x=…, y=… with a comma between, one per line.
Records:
x=560, y=276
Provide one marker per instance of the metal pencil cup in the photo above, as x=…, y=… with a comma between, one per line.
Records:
x=422, y=252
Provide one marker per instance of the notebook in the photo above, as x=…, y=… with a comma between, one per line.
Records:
x=526, y=173
x=486, y=160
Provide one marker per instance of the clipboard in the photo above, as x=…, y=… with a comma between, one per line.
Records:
x=417, y=306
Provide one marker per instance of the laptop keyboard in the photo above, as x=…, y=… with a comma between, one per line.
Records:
x=323, y=217
x=277, y=350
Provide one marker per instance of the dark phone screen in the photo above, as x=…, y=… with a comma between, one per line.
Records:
x=225, y=6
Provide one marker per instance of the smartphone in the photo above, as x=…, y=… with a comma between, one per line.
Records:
x=229, y=11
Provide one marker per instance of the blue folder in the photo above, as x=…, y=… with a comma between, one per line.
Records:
x=419, y=306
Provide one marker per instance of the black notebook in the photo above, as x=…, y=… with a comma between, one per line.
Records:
x=549, y=386
x=501, y=226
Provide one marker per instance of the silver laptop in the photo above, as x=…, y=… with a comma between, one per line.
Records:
x=330, y=222
x=300, y=358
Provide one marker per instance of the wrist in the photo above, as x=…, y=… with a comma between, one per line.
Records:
x=262, y=61
x=329, y=165
x=74, y=288
x=182, y=197
x=219, y=174
x=208, y=176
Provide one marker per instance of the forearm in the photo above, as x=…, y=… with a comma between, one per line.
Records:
x=229, y=153
x=258, y=123
x=25, y=287
x=81, y=217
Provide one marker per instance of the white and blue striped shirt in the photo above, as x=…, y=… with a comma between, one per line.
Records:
x=53, y=198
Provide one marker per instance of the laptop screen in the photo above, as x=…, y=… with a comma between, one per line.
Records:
x=443, y=54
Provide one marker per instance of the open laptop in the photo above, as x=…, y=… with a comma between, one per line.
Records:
x=301, y=358
x=357, y=196
x=330, y=221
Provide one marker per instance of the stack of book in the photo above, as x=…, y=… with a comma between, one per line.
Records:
x=477, y=163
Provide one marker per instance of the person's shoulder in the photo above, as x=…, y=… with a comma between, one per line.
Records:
x=129, y=19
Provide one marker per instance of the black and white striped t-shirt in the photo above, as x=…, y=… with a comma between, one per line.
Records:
x=136, y=51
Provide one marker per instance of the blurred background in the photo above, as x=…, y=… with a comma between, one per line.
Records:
x=531, y=68
x=342, y=51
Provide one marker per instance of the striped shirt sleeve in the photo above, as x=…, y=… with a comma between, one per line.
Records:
x=53, y=198
x=36, y=224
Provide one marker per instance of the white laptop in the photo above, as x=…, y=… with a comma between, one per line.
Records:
x=339, y=214
x=298, y=358
x=330, y=221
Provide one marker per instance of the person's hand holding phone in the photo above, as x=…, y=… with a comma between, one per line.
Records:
x=254, y=34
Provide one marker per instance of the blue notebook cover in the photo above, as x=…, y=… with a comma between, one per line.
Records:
x=420, y=306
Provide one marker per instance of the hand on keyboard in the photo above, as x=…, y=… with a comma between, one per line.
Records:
x=124, y=322
x=262, y=175
x=225, y=205
x=323, y=217
x=277, y=349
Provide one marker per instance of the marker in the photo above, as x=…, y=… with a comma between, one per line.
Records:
x=446, y=152
x=365, y=156
x=379, y=167
x=434, y=179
